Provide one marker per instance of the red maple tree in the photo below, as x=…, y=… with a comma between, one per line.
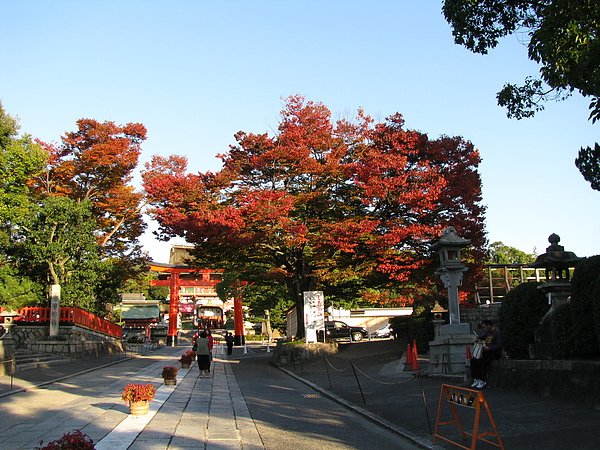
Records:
x=322, y=205
x=96, y=163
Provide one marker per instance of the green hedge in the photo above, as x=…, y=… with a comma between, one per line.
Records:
x=419, y=328
x=521, y=311
x=585, y=300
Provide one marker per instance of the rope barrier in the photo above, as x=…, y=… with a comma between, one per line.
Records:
x=388, y=383
x=335, y=368
x=391, y=383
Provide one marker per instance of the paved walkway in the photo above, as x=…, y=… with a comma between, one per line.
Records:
x=197, y=413
x=214, y=413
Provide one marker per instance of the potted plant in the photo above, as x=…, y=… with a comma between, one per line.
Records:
x=169, y=374
x=138, y=397
x=76, y=440
x=187, y=358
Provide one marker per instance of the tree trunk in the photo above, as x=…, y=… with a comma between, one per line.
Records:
x=296, y=287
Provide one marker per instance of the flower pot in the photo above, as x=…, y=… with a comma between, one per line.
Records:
x=170, y=381
x=186, y=365
x=139, y=408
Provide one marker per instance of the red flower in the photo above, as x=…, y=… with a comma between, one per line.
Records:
x=138, y=392
x=76, y=440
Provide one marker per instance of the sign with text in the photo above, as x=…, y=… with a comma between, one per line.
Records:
x=453, y=400
x=54, y=309
x=314, y=314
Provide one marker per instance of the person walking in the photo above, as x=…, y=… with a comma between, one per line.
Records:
x=229, y=340
x=203, y=352
x=491, y=341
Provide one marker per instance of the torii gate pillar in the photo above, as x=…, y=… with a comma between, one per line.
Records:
x=173, y=309
x=238, y=318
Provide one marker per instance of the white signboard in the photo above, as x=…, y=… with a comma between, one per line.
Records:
x=314, y=314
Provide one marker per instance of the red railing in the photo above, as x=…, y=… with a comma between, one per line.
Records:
x=70, y=316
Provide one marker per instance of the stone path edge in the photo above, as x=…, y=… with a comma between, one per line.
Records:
x=56, y=380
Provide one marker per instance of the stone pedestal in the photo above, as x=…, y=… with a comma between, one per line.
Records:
x=7, y=355
x=448, y=350
x=558, y=293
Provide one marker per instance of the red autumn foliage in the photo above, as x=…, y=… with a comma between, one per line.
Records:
x=321, y=204
x=96, y=163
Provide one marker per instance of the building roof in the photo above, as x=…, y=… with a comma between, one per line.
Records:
x=138, y=312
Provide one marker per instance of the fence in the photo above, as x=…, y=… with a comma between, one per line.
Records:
x=70, y=316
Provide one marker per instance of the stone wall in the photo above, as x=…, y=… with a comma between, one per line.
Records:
x=574, y=381
x=475, y=315
x=290, y=353
x=72, y=341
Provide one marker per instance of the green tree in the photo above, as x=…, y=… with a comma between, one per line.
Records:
x=58, y=244
x=563, y=39
x=588, y=163
x=20, y=159
x=498, y=253
x=139, y=281
x=17, y=290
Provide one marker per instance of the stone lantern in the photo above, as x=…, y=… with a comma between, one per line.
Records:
x=438, y=320
x=451, y=268
x=447, y=351
x=557, y=263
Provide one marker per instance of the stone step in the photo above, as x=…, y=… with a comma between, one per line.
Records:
x=25, y=360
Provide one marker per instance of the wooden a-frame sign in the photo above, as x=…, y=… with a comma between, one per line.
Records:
x=458, y=397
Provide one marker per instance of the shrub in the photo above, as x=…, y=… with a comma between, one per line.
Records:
x=169, y=372
x=76, y=440
x=585, y=299
x=520, y=314
x=414, y=327
x=188, y=357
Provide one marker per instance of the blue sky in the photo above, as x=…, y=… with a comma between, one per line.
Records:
x=195, y=72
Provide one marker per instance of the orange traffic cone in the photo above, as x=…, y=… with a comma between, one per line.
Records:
x=409, y=354
x=415, y=356
x=469, y=356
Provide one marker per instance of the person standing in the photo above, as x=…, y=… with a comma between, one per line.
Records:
x=491, y=340
x=203, y=353
x=229, y=340
x=211, y=343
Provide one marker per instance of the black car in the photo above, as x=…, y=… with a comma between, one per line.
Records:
x=334, y=329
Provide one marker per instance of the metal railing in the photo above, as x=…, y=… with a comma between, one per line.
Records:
x=70, y=316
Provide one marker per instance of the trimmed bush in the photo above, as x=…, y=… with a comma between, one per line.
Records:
x=522, y=309
x=419, y=328
x=585, y=300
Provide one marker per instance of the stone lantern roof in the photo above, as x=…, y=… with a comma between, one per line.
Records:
x=449, y=247
x=450, y=239
x=556, y=260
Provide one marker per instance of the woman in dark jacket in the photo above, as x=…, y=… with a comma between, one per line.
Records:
x=492, y=349
x=203, y=352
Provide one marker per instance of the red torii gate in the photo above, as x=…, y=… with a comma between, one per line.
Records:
x=174, y=284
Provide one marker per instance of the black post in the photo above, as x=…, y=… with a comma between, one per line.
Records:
x=328, y=377
x=358, y=382
x=424, y=402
